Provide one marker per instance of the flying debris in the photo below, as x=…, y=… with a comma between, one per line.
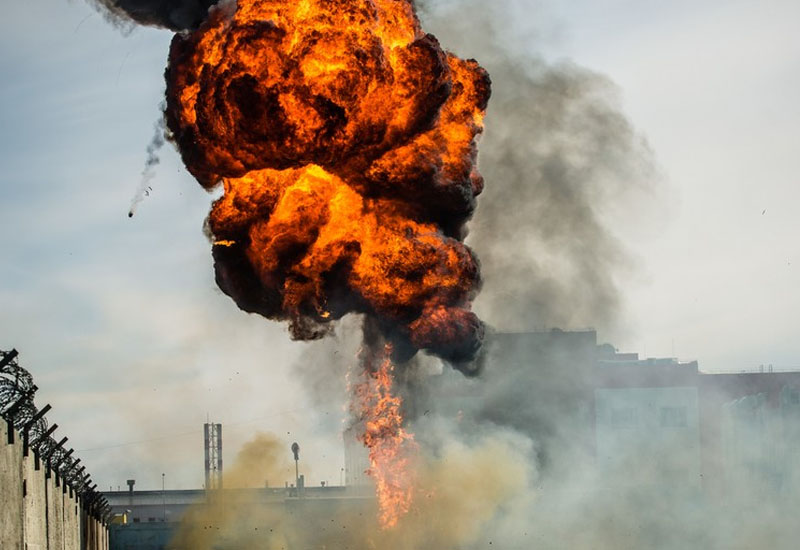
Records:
x=152, y=160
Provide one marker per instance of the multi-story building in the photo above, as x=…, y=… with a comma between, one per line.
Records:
x=664, y=419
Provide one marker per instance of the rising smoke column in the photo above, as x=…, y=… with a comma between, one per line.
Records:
x=345, y=141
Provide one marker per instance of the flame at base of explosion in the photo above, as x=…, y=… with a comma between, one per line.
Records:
x=391, y=448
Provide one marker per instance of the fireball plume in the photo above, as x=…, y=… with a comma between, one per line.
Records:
x=345, y=140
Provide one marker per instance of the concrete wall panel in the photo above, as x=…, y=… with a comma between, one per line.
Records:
x=11, y=484
x=34, y=505
x=55, y=514
x=71, y=523
x=37, y=514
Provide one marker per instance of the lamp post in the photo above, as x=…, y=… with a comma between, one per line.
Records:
x=296, y=452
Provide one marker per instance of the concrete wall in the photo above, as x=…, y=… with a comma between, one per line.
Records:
x=141, y=536
x=37, y=511
x=11, y=504
x=54, y=508
x=72, y=536
x=647, y=434
x=34, y=501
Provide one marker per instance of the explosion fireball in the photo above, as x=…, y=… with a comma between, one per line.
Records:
x=345, y=141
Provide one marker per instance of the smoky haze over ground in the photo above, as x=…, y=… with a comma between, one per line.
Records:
x=460, y=493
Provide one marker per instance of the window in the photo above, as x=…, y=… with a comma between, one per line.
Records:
x=624, y=417
x=673, y=417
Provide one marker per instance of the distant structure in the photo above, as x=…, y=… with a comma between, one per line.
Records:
x=733, y=429
x=688, y=430
x=356, y=461
x=213, y=450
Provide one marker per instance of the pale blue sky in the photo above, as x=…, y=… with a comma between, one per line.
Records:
x=121, y=323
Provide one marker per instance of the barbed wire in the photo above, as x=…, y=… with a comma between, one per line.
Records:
x=18, y=409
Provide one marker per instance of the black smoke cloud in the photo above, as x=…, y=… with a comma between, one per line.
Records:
x=562, y=164
x=176, y=15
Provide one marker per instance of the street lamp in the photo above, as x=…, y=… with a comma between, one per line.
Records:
x=296, y=452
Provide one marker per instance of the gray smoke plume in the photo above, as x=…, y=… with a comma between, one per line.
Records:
x=556, y=155
x=177, y=15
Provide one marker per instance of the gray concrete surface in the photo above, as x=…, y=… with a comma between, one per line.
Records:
x=11, y=513
x=35, y=512
x=33, y=503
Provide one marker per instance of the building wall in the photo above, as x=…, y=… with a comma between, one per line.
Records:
x=537, y=383
x=717, y=393
x=141, y=536
x=654, y=431
x=250, y=516
x=356, y=461
x=35, y=511
x=760, y=443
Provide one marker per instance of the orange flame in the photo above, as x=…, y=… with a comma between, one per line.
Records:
x=391, y=447
x=345, y=139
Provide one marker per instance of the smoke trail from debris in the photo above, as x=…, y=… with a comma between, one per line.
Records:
x=148, y=173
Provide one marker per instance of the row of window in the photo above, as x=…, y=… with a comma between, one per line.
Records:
x=669, y=417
